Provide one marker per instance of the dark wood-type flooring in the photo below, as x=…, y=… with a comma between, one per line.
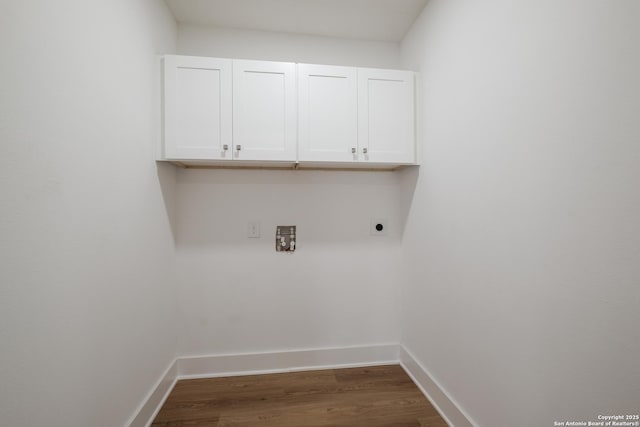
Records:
x=371, y=397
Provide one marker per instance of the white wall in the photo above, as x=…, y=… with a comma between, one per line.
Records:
x=87, y=304
x=340, y=287
x=266, y=45
x=239, y=295
x=523, y=240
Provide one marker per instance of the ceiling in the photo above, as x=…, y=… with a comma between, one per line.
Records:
x=381, y=20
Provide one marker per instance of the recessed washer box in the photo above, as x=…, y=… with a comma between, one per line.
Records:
x=286, y=238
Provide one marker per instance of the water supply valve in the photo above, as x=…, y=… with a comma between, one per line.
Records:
x=286, y=239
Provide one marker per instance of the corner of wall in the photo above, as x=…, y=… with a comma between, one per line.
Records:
x=448, y=408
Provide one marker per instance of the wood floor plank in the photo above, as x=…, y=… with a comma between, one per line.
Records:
x=434, y=421
x=381, y=396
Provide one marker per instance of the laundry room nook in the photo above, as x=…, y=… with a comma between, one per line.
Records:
x=319, y=212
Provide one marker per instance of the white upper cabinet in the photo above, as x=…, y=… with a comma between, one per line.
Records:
x=278, y=113
x=264, y=110
x=327, y=113
x=356, y=115
x=386, y=116
x=197, y=107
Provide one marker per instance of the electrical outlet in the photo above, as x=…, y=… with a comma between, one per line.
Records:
x=253, y=229
x=378, y=227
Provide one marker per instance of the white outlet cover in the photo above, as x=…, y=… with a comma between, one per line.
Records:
x=253, y=229
x=375, y=223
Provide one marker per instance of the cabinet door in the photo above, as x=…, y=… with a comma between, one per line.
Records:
x=197, y=107
x=386, y=117
x=328, y=113
x=264, y=110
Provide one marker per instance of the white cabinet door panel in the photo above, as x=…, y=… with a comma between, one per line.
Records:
x=386, y=117
x=328, y=113
x=264, y=110
x=197, y=107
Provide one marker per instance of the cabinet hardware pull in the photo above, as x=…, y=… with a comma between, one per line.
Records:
x=238, y=147
x=353, y=150
x=225, y=147
x=364, y=150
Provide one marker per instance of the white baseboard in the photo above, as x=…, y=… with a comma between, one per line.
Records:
x=298, y=360
x=439, y=398
x=286, y=361
x=149, y=408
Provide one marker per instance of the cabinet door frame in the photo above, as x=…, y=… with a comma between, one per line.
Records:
x=405, y=142
x=307, y=117
x=250, y=149
x=174, y=146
